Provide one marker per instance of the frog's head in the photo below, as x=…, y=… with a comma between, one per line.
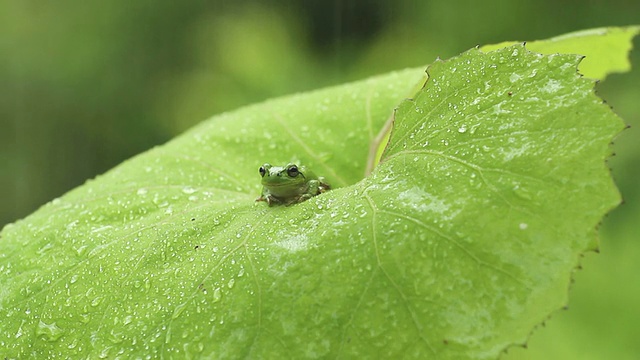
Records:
x=282, y=181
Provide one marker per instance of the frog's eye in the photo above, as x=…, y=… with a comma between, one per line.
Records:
x=263, y=171
x=292, y=171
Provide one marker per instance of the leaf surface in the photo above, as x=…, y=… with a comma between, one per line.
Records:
x=459, y=243
x=605, y=49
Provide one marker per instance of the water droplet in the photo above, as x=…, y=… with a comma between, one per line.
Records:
x=368, y=267
x=231, y=283
x=167, y=337
x=104, y=353
x=50, y=332
x=217, y=295
x=523, y=226
x=522, y=192
x=178, y=310
x=44, y=249
x=96, y=301
x=84, y=318
x=188, y=190
x=141, y=191
x=19, y=332
x=462, y=129
x=115, y=337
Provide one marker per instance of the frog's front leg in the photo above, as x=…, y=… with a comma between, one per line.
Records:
x=323, y=186
x=313, y=189
x=269, y=199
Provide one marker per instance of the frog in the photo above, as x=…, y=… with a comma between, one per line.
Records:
x=290, y=184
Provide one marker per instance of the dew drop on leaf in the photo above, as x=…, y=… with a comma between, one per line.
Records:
x=178, y=310
x=96, y=301
x=522, y=193
x=104, y=353
x=217, y=295
x=50, y=332
x=84, y=318
x=188, y=190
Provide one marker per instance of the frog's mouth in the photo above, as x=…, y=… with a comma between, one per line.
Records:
x=277, y=185
x=281, y=184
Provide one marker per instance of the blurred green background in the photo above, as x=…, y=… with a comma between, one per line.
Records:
x=86, y=85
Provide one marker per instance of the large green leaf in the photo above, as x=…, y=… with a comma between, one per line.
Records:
x=457, y=245
x=605, y=49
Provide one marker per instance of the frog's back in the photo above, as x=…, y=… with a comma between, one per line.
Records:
x=308, y=174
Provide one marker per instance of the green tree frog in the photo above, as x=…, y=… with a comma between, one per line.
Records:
x=288, y=185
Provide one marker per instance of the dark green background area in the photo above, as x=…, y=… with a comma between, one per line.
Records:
x=84, y=86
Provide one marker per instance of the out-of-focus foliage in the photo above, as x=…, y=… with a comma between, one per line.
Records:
x=85, y=86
